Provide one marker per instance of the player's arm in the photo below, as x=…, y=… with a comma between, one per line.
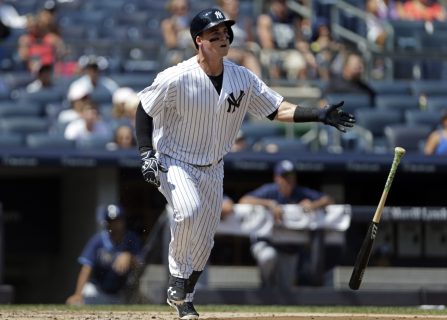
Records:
x=150, y=166
x=331, y=114
x=83, y=277
x=272, y=205
x=432, y=142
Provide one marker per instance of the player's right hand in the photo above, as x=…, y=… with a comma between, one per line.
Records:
x=151, y=167
x=333, y=115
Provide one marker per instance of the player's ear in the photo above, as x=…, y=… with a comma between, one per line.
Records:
x=198, y=41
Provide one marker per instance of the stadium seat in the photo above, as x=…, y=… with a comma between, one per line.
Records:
x=437, y=103
x=429, y=88
x=24, y=125
x=391, y=87
x=256, y=130
x=11, y=140
x=411, y=138
x=398, y=102
x=278, y=145
x=45, y=140
x=92, y=143
x=352, y=101
x=43, y=97
x=375, y=121
x=11, y=109
x=425, y=118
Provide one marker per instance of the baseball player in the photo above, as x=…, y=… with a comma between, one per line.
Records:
x=187, y=120
x=107, y=260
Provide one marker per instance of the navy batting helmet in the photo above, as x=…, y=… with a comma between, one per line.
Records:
x=206, y=19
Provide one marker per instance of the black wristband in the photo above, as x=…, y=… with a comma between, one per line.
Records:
x=143, y=129
x=304, y=114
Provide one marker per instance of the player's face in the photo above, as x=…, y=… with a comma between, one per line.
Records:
x=216, y=40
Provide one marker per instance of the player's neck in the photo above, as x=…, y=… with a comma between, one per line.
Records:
x=212, y=67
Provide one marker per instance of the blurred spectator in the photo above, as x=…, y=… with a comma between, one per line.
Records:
x=324, y=47
x=88, y=126
x=10, y=18
x=240, y=144
x=175, y=31
x=437, y=141
x=38, y=46
x=78, y=94
x=92, y=67
x=423, y=10
x=227, y=207
x=44, y=79
x=47, y=16
x=107, y=261
x=351, y=78
x=123, y=138
x=122, y=100
x=243, y=49
x=378, y=10
x=284, y=49
x=278, y=263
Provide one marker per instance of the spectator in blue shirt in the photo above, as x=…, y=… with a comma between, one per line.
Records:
x=278, y=263
x=106, y=261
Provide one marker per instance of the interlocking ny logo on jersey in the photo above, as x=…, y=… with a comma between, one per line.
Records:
x=235, y=103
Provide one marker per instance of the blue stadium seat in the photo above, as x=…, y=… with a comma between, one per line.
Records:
x=411, y=138
x=279, y=144
x=45, y=140
x=397, y=102
x=424, y=118
x=352, y=101
x=375, y=121
x=24, y=125
x=256, y=130
x=92, y=143
x=11, y=139
x=391, y=87
x=429, y=88
x=12, y=109
x=437, y=103
x=43, y=97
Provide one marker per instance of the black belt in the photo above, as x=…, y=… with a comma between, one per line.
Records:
x=207, y=165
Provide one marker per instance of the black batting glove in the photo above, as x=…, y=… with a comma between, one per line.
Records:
x=333, y=115
x=151, y=167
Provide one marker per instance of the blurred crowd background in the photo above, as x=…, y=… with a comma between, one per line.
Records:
x=71, y=68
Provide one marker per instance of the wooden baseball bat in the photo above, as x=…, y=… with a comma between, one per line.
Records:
x=362, y=259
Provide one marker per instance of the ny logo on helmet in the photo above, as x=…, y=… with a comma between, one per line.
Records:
x=233, y=102
x=218, y=14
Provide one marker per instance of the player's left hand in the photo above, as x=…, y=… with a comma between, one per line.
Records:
x=333, y=115
x=151, y=167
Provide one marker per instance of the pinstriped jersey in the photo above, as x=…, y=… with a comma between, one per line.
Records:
x=192, y=121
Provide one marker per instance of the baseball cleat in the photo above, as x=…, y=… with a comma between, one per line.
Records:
x=186, y=310
x=176, y=292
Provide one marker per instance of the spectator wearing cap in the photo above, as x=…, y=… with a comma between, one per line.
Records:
x=92, y=68
x=278, y=263
x=79, y=93
x=122, y=100
x=106, y=261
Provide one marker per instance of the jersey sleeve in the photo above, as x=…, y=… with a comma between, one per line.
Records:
x=264, y=100
x=311, y=194
x=265, y=192
x=160, y=94
x=88, y=255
